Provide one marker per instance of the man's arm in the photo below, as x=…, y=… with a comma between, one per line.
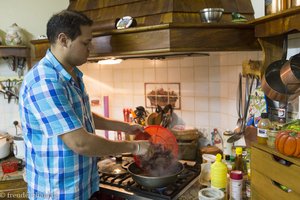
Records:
x=88, y=144
x=115, y=125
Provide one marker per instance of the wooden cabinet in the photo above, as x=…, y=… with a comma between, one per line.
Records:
x=273, y=175
x=13, y=189
x=271, y=31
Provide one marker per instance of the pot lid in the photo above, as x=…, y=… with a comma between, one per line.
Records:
x=111, y=166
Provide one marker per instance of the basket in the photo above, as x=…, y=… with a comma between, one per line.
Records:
x=186, y=135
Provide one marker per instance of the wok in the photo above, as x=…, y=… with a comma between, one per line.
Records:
x=148, y=181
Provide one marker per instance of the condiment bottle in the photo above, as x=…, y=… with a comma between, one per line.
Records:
x=218, y=174
x=239, y=161
x=263, y=126
x=236, y=185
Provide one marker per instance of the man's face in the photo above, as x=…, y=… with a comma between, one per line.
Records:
x=79, y=48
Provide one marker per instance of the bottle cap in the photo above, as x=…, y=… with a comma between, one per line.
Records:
x=236, y=175
x=264, y=115
x=239, y=151
x=227, y=157
x=218, y=157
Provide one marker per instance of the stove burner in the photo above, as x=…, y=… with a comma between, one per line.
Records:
x=118, y=185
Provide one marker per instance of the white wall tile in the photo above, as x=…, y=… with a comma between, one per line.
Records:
x=161, y=74
x=201, y=73
x=187, y=74
x=149, y=74
x=202, y=119
x=214, y=74
x=187, y=89
x=173, y=74
x=201, y=89
x=201, y=104
x=188, y=103
x=186, y=62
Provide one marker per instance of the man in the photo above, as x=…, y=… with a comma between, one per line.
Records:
x=57, y=123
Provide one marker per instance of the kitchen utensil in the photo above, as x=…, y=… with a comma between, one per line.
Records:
x=209, y=15
x=239, y=122
x=148, y=181
x=272, y=84
x=248, y=89
x=290, y=74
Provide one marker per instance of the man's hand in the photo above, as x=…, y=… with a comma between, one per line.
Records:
x=134, y=129
x=142, y=147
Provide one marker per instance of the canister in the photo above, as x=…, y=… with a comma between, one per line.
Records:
x=275, y=6
x=227, y=148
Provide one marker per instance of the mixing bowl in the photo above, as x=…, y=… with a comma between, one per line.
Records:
x=209, y=15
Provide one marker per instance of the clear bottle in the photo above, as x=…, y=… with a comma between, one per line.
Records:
x=263, y=126
x=218, y=174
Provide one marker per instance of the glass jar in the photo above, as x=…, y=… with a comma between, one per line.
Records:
x=263, y=127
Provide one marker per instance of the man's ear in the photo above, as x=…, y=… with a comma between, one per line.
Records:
x=62, y=39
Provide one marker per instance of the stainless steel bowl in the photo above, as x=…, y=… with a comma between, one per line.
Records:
x=209, y=15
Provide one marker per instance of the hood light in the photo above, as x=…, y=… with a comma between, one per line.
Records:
x=110, y=61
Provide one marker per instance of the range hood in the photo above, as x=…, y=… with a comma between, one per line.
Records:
x=165, y=28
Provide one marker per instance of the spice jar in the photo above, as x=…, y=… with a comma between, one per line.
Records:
x=236, y=185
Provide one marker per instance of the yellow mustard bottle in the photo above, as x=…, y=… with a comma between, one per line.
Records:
x=218, y=174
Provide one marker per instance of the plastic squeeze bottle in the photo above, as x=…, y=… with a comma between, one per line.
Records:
x=218, y=173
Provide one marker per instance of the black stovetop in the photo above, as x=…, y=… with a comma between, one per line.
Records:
x=124, y=186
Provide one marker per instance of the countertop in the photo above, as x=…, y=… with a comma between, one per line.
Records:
x=192, y=192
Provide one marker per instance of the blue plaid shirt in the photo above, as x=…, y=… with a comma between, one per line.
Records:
x=50, y=105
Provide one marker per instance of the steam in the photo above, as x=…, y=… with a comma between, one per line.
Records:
x=158, y=161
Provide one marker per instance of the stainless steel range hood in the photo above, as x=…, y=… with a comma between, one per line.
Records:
x=165, y=28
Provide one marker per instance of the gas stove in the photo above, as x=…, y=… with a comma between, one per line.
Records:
x=124, y=187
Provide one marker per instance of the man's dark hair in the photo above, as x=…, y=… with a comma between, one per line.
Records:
x=67, y=22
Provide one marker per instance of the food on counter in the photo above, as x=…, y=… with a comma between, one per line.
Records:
x=293, y=125
x=287, y=142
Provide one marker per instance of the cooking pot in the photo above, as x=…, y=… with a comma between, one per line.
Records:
x=271, y=83
x=4, y=145
x=19, y=147
x=148, y=181
x=290, y=73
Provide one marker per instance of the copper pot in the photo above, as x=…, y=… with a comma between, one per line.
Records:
x=290, y=74
x=271, y=82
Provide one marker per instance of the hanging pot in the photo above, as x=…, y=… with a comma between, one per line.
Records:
x=272, y=84
x=290, y=74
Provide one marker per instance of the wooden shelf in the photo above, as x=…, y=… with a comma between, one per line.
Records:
x=271, y=30
x=16, y=51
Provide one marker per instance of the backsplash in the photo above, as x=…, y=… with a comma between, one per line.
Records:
x=208, y=86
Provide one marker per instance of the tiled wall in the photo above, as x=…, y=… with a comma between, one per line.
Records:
x=208, y=86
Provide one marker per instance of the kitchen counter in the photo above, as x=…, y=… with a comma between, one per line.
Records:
x=192, y=192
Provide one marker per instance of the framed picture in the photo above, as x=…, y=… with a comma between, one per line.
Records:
x=162, y=94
